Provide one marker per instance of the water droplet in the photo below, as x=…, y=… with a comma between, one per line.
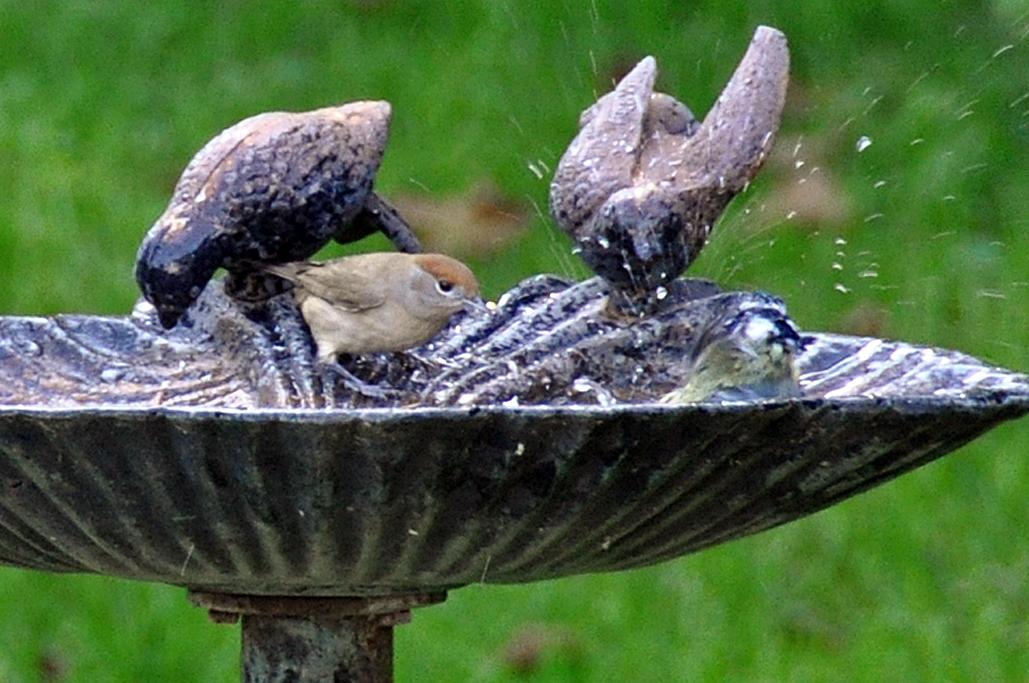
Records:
x=879, y=183
x=604, y=242
x=837, y=266
x=841, y=288
x=112, y=374
x=839, y=241
x=582, y=385
x=863, y=143
x=28, y=347
x=661, y=293
x=143, y=308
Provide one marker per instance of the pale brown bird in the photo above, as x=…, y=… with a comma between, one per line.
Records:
x=386, y=301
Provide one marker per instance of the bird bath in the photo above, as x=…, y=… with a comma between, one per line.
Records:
x=218, y=457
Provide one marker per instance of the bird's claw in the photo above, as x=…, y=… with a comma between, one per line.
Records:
x=355, y=385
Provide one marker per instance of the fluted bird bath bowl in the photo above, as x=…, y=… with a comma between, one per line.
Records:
x=218, y=457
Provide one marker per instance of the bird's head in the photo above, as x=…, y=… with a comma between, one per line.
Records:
x=440, y=286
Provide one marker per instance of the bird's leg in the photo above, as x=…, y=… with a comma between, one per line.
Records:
x=359, y=386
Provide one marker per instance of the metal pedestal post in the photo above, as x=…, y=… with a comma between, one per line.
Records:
x=300, y=639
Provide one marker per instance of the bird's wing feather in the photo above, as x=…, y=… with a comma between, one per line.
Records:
x=340, y=287
x=209, y=162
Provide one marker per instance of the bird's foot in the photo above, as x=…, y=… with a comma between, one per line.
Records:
x=356, y=385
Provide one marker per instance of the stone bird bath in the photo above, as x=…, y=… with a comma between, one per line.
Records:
x=521, y=445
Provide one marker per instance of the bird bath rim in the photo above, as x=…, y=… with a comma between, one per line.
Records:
x=379, y=414
x=380, y=501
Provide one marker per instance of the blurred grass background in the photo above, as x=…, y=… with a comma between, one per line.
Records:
x=923, y=235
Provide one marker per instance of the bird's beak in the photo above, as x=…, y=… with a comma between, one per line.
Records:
x=789, y=337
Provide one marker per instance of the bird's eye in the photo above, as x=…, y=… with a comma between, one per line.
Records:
x=444, y=286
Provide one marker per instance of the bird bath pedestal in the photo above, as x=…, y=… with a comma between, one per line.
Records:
x=524, y=444
x=315, y=639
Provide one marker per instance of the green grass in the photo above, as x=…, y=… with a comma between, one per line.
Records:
x=103, y=103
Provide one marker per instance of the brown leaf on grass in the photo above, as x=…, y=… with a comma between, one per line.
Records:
x=52, y=666
x=806, y=623
x=866, y=320
x=476, y=223
x=533, y=644
x=803, y=186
